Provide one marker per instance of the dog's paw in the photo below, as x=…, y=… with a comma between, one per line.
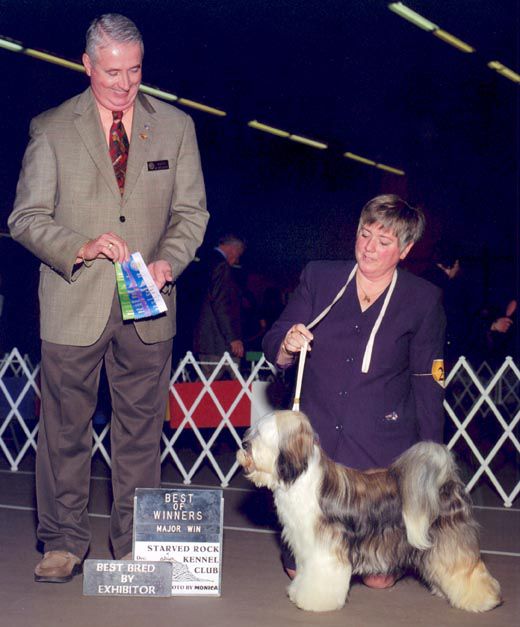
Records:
x=314, y=597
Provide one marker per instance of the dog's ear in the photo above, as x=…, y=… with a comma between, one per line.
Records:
x=295, y=450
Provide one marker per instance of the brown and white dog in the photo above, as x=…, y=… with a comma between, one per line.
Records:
x=339, y=521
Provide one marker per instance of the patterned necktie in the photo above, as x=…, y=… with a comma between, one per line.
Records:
x=119, y=149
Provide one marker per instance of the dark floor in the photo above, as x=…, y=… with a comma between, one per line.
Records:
x=253, y=583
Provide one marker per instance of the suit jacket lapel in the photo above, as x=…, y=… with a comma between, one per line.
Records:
x=143, y=127
x=90, y=130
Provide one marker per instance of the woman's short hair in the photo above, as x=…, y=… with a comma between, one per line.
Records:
x=394, y=214
x=111, y=27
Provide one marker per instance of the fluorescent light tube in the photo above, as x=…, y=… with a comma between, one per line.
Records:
x=505, y=71
x=382, y=166
x=453, y=41
x=158, y=93
x=201, y=107
x=44, y=56
x=411, y=16
x=308, y=142
x=351, y=155
x=268, y=129
x=10, y=45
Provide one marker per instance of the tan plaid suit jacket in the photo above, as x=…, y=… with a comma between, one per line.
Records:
x=67, y=194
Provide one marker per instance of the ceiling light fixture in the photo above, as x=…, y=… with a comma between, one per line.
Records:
x=268, y=129
x=351, y=155
x=418, y=20
x=453, y=41
x=308, y=142
x=505, y=71
x=158, y=93
x=50, y=58
x=10, y=45
x=201, y=107
x=382, y=166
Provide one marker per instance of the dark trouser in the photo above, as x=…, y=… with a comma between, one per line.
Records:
x=138, y=376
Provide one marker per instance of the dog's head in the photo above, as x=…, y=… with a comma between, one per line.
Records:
x=277, y=450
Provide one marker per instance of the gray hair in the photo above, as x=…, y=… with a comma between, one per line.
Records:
x=111, y=27
x=394, y=214
x=231, y=238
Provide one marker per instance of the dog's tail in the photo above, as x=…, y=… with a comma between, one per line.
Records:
x=421, y=472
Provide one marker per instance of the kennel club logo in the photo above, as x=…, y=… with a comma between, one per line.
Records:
x=183, y=527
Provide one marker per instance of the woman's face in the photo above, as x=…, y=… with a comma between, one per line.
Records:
x=378, y=251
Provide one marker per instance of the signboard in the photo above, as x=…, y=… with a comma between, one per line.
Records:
x=127, y=578
x=183, y=527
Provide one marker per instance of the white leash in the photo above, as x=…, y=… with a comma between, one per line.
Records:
x=370, y=344
x=303, y=352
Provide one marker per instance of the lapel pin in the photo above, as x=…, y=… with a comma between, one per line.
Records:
x=143, y=135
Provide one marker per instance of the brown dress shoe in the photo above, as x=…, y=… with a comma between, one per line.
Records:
x=57, y=567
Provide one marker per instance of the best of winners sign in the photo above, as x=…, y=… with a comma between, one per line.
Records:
x=183, y=527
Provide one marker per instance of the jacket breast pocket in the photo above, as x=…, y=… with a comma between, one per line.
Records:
x=158, y=177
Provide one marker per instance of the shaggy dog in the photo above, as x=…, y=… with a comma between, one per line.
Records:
x=339, y=521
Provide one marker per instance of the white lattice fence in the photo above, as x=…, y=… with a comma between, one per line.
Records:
x=19, y=400
x=483, y=409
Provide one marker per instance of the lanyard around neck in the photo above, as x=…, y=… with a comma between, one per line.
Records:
x=367, y=357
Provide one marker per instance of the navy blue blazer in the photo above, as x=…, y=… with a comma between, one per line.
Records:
x=366, y=420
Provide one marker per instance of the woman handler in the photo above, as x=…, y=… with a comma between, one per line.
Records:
x=373, y=381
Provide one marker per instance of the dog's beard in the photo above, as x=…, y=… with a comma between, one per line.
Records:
x=258, y=466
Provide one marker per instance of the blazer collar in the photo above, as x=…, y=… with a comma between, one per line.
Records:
x=143, y=130
x=90, y=130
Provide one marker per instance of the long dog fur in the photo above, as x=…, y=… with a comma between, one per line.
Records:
x=339, y=521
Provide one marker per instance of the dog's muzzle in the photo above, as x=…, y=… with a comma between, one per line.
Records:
x=244, y=457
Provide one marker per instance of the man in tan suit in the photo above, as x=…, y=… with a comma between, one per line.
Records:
x=73, y=215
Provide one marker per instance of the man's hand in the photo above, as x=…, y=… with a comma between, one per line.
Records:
x=161, y=272
x=106, y=246
x=237, y=348
x=502, y=325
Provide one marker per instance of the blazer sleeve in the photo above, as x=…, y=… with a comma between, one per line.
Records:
x=188, y=213
x=224, y=299
x=32, y=222
x=427, y=371
x=298, y=310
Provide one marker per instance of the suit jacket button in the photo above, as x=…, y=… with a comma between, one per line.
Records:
x=339, y=427
x=122, y=219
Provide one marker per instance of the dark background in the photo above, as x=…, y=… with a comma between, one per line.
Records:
x=347, y=72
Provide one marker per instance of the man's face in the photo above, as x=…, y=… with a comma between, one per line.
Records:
x=235, y=252
x=115, y=74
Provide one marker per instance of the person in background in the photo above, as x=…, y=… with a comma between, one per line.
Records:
x=107, y=173
x=219, y=328
x=373, y=380
x=447, y=271
x=494, y=335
